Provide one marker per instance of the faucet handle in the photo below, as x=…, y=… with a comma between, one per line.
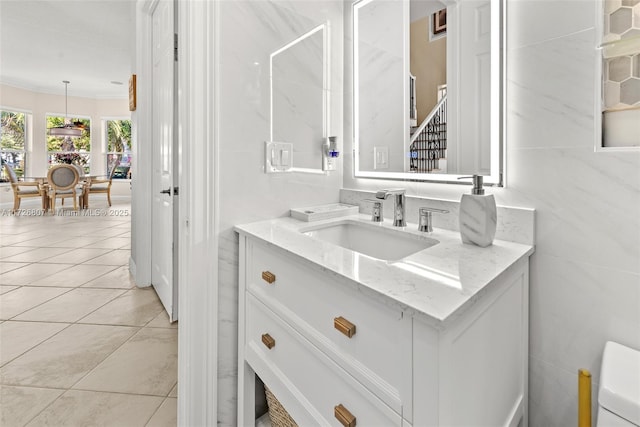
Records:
x=376, y=211
x=425, y=218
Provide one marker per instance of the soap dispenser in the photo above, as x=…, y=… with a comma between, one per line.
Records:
x=478, y=215
x=330, y=153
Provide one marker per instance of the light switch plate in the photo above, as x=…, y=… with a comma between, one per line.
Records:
x=278, y=157
x=381, y=157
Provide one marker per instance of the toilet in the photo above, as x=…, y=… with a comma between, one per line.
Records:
x=619, y=392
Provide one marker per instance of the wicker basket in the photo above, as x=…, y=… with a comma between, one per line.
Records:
x=278, y=415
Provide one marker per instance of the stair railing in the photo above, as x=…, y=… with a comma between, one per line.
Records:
x=429, y=142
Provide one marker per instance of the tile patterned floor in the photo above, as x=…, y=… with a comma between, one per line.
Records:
x=80, y=345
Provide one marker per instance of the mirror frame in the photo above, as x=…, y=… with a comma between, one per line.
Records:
x=498, y=104
x=326, y=95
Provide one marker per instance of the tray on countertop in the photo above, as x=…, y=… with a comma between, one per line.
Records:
x=317, y=213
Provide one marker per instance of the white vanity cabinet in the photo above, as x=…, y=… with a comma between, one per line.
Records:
x=336, y=355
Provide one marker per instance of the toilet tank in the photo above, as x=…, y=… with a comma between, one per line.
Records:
x=619, y=392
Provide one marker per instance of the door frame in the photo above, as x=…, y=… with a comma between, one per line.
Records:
x=197, y=225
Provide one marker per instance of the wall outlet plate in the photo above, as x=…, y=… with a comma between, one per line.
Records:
x=278, y=157
x=381, y=157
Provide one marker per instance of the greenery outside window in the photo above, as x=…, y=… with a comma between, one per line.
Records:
x=69, y=150
x=12, y=142
x=119, y=148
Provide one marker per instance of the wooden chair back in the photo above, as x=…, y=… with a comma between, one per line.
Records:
x=63, y=177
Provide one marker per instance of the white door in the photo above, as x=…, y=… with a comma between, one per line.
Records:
x=163, y=252
x=475, y=86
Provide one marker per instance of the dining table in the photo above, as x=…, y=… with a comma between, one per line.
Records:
x=83, y=197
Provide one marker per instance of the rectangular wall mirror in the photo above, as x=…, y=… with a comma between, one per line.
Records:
x=428, y=84
x=300, y=97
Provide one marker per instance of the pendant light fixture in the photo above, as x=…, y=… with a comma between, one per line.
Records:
x=68, y=128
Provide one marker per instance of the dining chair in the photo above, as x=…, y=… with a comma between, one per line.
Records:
x=95, y=185
x=82, y=185
x=22, y=189
x=62, y=180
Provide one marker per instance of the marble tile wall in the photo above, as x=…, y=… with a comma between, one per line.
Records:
x=298, y=98
x=249, y=32
x=585, y=273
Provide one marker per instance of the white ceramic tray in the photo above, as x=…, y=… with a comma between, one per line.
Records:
x=316, y=213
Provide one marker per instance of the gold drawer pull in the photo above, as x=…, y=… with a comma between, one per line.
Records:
x=268, y=277
x=268, y=341
x=345, y=417
x=344, y=326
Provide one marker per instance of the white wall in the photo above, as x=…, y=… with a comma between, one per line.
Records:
x=39, y=105
x=249, y=31
x=585, y=273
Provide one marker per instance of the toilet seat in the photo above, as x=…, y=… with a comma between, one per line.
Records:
x=619, y=391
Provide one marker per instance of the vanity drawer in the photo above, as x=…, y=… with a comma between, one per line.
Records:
x=316, y=385
x=368, y=339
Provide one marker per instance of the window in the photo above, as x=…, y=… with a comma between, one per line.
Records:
x=119, y=148
x=70, y=150
x=12, y=142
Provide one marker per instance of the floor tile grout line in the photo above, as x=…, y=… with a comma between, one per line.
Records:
x=104, y=359
x=46, y=406
x=174, y=386
x=65, y=391
x=90, y=280
x=102, y=275
x=70, y=289
x=8, y=292
x=34, y=285
x=154, y=412
x=118, y=392
x=44, y=302
x=76, y=322
x=43, y=260
x=79, y=322
x=162, y=398
x=140, y=328
x=34, y=386
x=89, y=259
x=112, y=299
x=31, y=263
x=41, y=342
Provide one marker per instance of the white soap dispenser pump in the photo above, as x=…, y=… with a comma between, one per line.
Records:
x=478, y=215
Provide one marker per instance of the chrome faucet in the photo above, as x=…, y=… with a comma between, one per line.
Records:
x=398, y=204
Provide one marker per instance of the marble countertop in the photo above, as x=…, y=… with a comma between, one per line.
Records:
x=437, y=283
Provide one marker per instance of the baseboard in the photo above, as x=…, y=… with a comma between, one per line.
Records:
x=132, y=270
x=132, y=267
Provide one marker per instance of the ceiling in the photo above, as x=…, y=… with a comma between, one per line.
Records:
x=88, y=42
x=421, y=8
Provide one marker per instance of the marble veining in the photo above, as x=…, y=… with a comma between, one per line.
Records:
x=478, y=219
x=437, y=283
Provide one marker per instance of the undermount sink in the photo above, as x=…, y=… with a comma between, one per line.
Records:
x=372, y=240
